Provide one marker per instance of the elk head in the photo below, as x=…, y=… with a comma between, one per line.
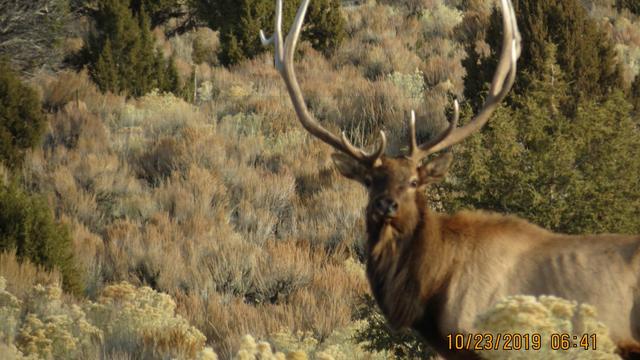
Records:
x=395, y=184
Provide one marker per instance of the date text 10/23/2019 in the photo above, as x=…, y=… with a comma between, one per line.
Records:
x=516, y=341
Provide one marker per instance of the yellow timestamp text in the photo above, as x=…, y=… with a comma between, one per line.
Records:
x=518, y=341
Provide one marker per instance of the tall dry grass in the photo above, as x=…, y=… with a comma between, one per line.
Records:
x=228, y=205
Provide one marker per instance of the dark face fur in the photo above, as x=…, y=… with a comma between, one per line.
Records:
x=395, y=187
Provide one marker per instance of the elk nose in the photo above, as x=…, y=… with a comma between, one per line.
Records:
x=387, y=207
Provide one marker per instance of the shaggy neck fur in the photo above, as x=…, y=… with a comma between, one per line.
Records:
x=405, y=266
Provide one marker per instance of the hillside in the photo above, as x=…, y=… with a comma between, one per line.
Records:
x=222, y=216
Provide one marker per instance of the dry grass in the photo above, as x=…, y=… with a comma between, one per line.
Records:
x=21, y=276
x=228, y=205
x=624, y=29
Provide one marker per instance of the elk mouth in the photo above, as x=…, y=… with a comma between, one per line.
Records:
x=384, y=217
x=389, y=219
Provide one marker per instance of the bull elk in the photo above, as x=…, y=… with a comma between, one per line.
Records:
x=436, y=272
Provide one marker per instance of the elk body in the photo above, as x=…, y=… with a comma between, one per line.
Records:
x=436, y=272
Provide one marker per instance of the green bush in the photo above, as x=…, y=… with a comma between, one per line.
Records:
x=573, y=174
x=160, y=11
x=631, y=5
x=635, y=94
x=122, y=54
x=376, y=335
x=22, y=122
x=27, y=225
x=240, y=21
x=585, y=53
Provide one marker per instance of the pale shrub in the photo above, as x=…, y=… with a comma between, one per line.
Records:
x=55, y=329
x=143, y=322
x=158, y=114
x=294, y=341
x=11, y=352
x=630, y=56
x=412, y=85
x=440, y=19
x=21, y=275
x=131, y=322
x=9, y=313
x=250, y=350
x=76, y=127
x=204, y=92
x=339, y=345
x=50, y=329
x=545, y=315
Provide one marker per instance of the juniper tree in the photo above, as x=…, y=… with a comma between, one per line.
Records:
x=631, y=5
x=159, y=11
x=635, y=94
x=572, y=174
x=22, y=122
x=28, y=227
x=584, y=53
x=239, y=22
x=122, y=54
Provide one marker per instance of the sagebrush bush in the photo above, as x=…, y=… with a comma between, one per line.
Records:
x=229, y=204
x=143, y=323
x=545, y=315
x=9, y=314
x=138, y=322
x=70, y=122
x=21, y=275
x=44, y=326
x=65, y=87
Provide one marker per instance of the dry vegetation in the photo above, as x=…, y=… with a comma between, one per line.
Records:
x=546, y=315
x=227, y=205
x=624, y=28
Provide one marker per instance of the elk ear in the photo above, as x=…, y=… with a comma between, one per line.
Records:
x=350, y=168
x=435, y=170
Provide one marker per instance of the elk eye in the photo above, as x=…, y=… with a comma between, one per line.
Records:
x=414, y=183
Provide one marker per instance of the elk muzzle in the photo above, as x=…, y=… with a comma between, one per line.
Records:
x=386, y=207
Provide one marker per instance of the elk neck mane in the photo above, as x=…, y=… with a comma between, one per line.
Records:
x=397, y=252
x=411, y=262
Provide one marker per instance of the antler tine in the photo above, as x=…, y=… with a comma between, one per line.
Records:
x=276, y=38
x=284, y=63
x=415, y=151
x=502, y=82
x=413, y=142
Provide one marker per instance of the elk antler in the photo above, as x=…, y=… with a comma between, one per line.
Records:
x=502, y=81
x=284, y=65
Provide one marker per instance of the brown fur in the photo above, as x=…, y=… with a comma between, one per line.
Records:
x=437, y=272
x=421, y=264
